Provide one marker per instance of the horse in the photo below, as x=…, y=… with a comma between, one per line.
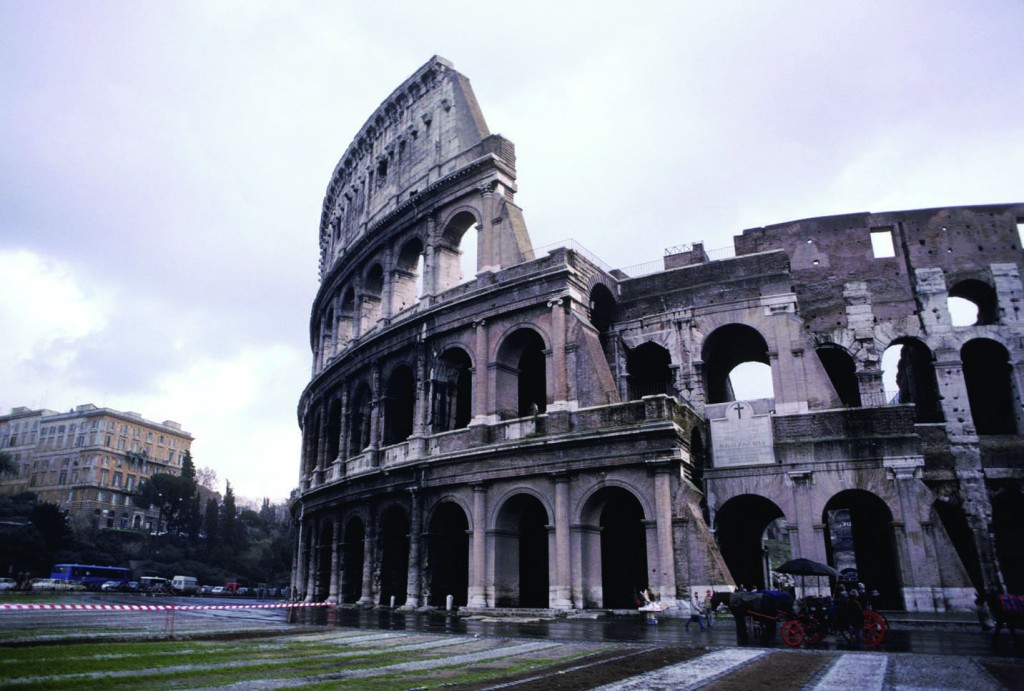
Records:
x=763, y=606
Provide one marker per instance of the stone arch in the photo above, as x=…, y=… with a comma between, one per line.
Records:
x=521, y=551
x=981, y=295
x=521, y=374
x=451, y=389
x=346, y=317
x=723, y=350
x=360, y=412
x=312, y=440
x=860, y=542
x=603, y=310
x=914, y=379
x=332, y=444
x=393, y=543
x=741, y=524
x=649, y=367
x=399, y=405
x=372, y=299
x=614, y=543
x=991, y=393
x=842, y=372
x=450, y=249
x=448, y=554
x=353, y=556
x=407, y=276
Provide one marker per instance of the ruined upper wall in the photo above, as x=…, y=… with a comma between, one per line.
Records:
x=406, y=144
x=828, y=252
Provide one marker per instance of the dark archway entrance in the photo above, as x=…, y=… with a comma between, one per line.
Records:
x=859, y=536
x=650, y=371
x=521, y=577
x=394, y=562
x=623, y=549
x=352, y=561
x=741, y=525
x=448, y=555
x=324, y=552
x=988, y=375
x=1007, y=517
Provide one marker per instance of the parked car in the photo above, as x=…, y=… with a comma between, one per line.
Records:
x=55, y=584
x=8, y=584
x=206, y=589
x=111, y=585
x=219, y=590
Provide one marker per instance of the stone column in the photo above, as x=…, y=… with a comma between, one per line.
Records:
x=332, y=594
x=366, y=597
x=481, y=372
x=376, y=397
x=559, y=375
x=299, y=567
x=478, y=583
x=561, y=589
x=666, y=554
x=413, y=597
x=487, y=258
x=314, y=535
x=919, y=572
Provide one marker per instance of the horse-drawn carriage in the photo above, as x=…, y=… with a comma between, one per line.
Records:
x=820, y=617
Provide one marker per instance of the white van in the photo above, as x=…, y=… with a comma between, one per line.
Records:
x=185, y=584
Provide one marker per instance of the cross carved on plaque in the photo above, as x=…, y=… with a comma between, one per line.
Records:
x=739, y=410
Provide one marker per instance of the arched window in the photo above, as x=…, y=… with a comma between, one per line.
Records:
x=908, y=376
x=373, y=289
x=650, y=372
x=841, y=372
x=333, y=431
x=522, y=375
x=603, y=311
x=406, y=288
x=399, y=403
x=988, y=375
x=457, y=256
x=736, y=365
x=359, y=426
x=451, y=386
x=346, y=318
x=973, y=302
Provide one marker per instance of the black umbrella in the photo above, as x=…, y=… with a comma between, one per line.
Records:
x=806, y=567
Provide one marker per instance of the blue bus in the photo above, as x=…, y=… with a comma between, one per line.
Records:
x=91, y=577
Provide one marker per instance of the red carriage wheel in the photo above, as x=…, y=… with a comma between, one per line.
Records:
x=793, y=633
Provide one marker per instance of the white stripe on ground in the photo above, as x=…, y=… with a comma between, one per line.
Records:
x=692, y=672
x=863, y=672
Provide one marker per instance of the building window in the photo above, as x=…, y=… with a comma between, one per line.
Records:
x=120, y=444
x=117, y=479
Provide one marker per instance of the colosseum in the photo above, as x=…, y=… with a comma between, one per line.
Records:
x=542, y=430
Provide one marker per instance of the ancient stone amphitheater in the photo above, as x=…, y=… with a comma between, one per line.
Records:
x=542, y=430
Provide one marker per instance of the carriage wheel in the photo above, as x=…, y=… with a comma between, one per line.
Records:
x=815, y=632
x=876, y=618
x=793, y=633
x=873, y=633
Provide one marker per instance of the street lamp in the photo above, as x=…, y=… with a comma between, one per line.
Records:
x=160, y=510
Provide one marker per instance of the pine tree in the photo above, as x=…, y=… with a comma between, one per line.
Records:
x=229, y=528
x=212, y=522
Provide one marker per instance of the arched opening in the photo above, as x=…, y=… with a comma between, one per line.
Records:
x=394, y=562
x=311, y=433
x=451, y=385
x=736, y=364
x=399, y=402
x=322, y=574
x=842, y=372
x=623, y=547
x=327, y=345
x=743, y=525
x=973, y=302
x=521, y=553
x=457, y=253
x=359, y=425
x=407, y=283
x=988, y=375
x=333, y=431
x=1007, y=517
x=908, y=376
x=860, y=544
x=346, y=318
x=373, y=290
x=448, y=555
x=650, y=371
x=521, y=375
x=603, y=311
x=352, y=561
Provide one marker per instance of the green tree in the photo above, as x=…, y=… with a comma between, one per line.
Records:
x=171, y=494
x=8, y=466
x=212, y=521
x=229, y=528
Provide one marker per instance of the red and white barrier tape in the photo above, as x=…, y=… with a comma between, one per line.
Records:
x=155, y=608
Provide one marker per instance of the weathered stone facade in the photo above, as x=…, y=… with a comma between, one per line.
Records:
x=555, y=433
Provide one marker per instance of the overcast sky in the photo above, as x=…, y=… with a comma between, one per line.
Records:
x=163, y=164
